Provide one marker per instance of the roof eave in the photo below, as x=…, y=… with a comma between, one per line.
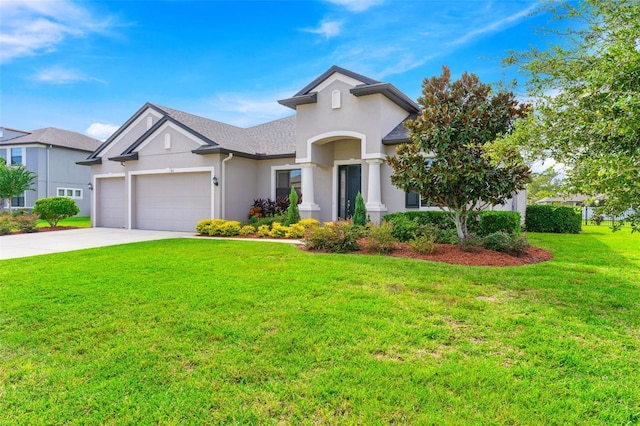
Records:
x=90, y=162
x=206, y=150
x=122, y=158
x=310, y=98
x=390, y=91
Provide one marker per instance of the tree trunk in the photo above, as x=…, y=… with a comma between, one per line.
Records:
x=460, y=220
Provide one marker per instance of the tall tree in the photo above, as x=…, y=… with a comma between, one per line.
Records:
x=14, y=181
x=447, y=163
x=543, y=184
x=586, y=93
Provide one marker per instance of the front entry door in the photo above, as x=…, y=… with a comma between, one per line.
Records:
x=348, y=187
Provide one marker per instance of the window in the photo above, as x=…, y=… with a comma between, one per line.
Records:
x=285, y=179
x=70, y=192
x=16, y=155
x=413, y=200
x=17, y=201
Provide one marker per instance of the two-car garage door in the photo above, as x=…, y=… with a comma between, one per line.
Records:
x=159, y=201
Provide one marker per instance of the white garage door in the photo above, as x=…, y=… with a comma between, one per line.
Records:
x=171, y=202
x=110, y=203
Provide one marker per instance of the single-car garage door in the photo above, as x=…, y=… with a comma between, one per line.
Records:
x=110, y=203
x=171, y=202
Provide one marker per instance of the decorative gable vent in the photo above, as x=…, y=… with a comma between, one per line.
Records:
x=335, y=99
x=167, y=141
x=149, y=122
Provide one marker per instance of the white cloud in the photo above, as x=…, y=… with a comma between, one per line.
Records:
x=31, y=27
x=62, y=75
x=494, y=26
x=101, y=131
x=356, y=5
x=246, y=110
x=327, y=28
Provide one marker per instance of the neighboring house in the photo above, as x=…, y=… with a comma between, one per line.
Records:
x=573, y=200
x=166, y=169
x=52, y=154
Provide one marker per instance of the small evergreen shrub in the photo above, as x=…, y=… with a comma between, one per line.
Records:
x=309, y=223
x=278, y=230
x=403, y=228
x=247, y=230
x=339, y=237
x=230, y=228
x=557, y=219
x=295, y=231
x=203, y=226
x=215, y=227
x=447, y=236
x=513, y=244
x=472, y=244
x=268, y=220
x=54, y=209
x=27, y=222
x=495, y=221
x=360, y=211
x=6, y=224
x=380, y=238
x=423, y=244
x=264, y=231
x=293, y=214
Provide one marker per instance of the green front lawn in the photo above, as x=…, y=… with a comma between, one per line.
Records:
x=205, y=332
x=77, y=222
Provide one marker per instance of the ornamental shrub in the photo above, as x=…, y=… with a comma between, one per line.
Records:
x=247, y=230
x=278, y=230
x=264, y=231
x=423, y=244
x=513, y=244
x=27, y=222
x=360, y=211
x=203, y=226
x=380, y=238
x=295, y=231
x=557, y=219
x=293, y=214
x=215, y=227
x=309, y=223
x=230, y=228
x=495, y=221
x=54, y=209
x=6, y=224
x=339, y=237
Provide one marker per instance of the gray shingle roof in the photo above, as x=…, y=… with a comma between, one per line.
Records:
x=273, y=138
x=56, y=137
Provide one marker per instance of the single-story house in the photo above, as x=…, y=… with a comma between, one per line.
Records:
x=166, y=169
x=52, y=154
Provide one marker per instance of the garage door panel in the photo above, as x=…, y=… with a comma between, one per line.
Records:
x=171, y=202
x=110, y=203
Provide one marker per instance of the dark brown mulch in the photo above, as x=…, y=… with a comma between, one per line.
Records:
x=453, y=254
x=47, y=229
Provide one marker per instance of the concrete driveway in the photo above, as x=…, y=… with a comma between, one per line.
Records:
x=25, y=245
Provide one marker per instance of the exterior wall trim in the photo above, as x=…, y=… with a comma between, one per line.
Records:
x=338, y=134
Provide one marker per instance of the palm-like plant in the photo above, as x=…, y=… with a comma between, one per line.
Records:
x=14, y=180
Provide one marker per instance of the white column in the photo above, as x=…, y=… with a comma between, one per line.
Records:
x=308, y=201
x=374, y=192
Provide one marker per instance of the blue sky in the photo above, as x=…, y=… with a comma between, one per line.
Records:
x=87, y=66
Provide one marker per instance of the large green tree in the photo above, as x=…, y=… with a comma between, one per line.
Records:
x=14, y=180
x=446, y=161
x=586, y=94
x=543, y=184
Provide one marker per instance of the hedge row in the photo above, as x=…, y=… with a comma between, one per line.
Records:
x=482, y=224
x=558, y=219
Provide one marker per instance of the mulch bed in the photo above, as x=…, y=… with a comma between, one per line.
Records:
x=47, y=229
x=453, y=254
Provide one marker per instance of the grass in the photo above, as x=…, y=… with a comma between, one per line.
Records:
x=77, y=222
x=225, y=332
